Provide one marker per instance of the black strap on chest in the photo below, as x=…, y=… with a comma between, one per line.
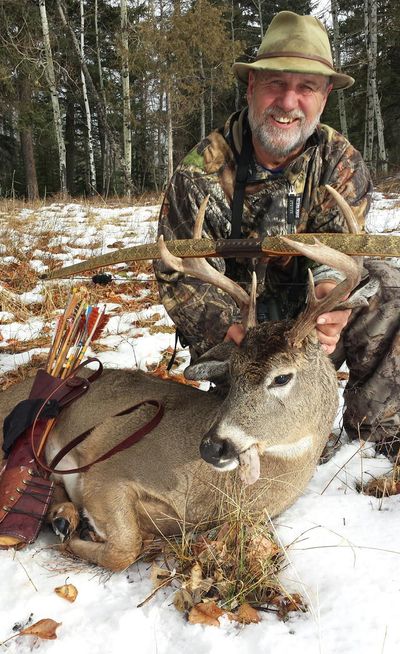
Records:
x=242, y=173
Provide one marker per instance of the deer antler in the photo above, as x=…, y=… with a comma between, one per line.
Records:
x=351, y=268
x=201, y=269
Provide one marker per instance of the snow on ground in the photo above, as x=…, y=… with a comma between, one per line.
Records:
x=344, y=547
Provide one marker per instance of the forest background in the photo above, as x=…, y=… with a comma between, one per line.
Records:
x=104, y=97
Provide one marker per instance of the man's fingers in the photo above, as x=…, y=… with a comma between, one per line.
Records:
x=334, y=317
x=235, y=333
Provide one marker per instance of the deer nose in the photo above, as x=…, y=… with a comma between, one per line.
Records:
x=217, y=451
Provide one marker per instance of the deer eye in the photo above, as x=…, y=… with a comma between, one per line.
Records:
x=282, y=380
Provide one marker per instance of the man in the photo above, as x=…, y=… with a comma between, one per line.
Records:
x=265, y=172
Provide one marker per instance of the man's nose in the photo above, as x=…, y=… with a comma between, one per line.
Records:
x=288, y=100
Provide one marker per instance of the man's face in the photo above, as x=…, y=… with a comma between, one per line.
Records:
x=284, y=109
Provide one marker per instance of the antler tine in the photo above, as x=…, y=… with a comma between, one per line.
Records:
x=347, y=211
x=201, y=269
x=343, y=263
x=198, y=223
x=252, y=313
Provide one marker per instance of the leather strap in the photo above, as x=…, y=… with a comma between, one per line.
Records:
x=123, y=445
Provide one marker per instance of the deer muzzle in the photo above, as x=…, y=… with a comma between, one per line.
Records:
x=219, y=452
x=222, y=454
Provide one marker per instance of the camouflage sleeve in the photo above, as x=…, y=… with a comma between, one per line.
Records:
x=344, y=169
x=201, y=312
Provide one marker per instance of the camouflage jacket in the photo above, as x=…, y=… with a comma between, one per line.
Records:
x=203, y=313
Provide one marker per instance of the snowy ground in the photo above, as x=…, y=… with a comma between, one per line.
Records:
x=344, y=546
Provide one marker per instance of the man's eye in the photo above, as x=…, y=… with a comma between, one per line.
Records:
x=282, y=380
x=307, y=90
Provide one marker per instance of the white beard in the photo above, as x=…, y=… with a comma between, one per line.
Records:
x=280, y=142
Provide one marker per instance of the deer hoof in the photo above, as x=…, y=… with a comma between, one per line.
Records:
x=64, y=519
x=62, y=528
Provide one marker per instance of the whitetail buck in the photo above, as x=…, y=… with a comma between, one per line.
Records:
x=272, y=426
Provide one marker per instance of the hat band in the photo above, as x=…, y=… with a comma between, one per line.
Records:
x=297, y=55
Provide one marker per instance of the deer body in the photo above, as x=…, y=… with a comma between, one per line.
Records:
x=162, y=482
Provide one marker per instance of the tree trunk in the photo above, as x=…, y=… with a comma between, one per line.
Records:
x=237, y=88
x=375, y=96
x=70, y=143
x=105, y=150
x=170, y=168
x=127, y=128
x=337, y=59
x=51, y=80
x=202, y=100
x=24, y=87
x=369, y=108
x=373, y=110
x=89, y=139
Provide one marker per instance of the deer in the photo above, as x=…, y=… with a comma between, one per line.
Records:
x=265, y=436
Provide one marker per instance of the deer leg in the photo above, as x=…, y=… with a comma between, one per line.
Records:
x=115, y=520
x=62, y=514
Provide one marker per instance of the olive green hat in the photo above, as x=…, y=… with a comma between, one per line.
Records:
x=295, y=44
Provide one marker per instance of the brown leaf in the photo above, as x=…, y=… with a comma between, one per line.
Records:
x=260, y=550
x=68, y=592
x=45, y=629
x=246, y=614
x=196, y=576
x=159, y=575
x=205, y=613
x=287, y=603
x=183, y=600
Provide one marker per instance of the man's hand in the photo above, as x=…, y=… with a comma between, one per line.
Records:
x=330, y=325
x=235, y=333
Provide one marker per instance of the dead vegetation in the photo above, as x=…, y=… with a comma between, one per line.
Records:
x=231, y=569
x=385, y=485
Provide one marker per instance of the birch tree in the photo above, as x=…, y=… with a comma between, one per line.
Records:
x=90, y=149
x=127, y=128
x=105, y=148
x=373, y=107
x=51, y=80
x=338, y=65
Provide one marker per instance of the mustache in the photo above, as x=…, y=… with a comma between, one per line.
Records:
x=279, y=113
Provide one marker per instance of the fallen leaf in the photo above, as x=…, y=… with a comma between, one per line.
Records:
x=183, y=600
x=246, y=614
x=45, y=629
x=159, y=575
x=205, y=613
x=196, y=576
x=68, y=592
x=287, y=603
x=260, y=550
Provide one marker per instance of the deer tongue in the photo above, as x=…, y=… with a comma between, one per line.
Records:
x=249, y=465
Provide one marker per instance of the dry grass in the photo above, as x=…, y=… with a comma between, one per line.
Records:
x=385, y=485
x=233, y=564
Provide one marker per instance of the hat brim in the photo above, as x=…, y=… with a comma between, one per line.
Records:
x=293, y=65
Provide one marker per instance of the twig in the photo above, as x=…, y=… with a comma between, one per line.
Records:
x=163, y=583
x=26, y=572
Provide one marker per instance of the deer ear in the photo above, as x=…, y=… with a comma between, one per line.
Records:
x=213, y=365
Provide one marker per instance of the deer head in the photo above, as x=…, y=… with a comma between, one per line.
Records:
x=283, y=390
